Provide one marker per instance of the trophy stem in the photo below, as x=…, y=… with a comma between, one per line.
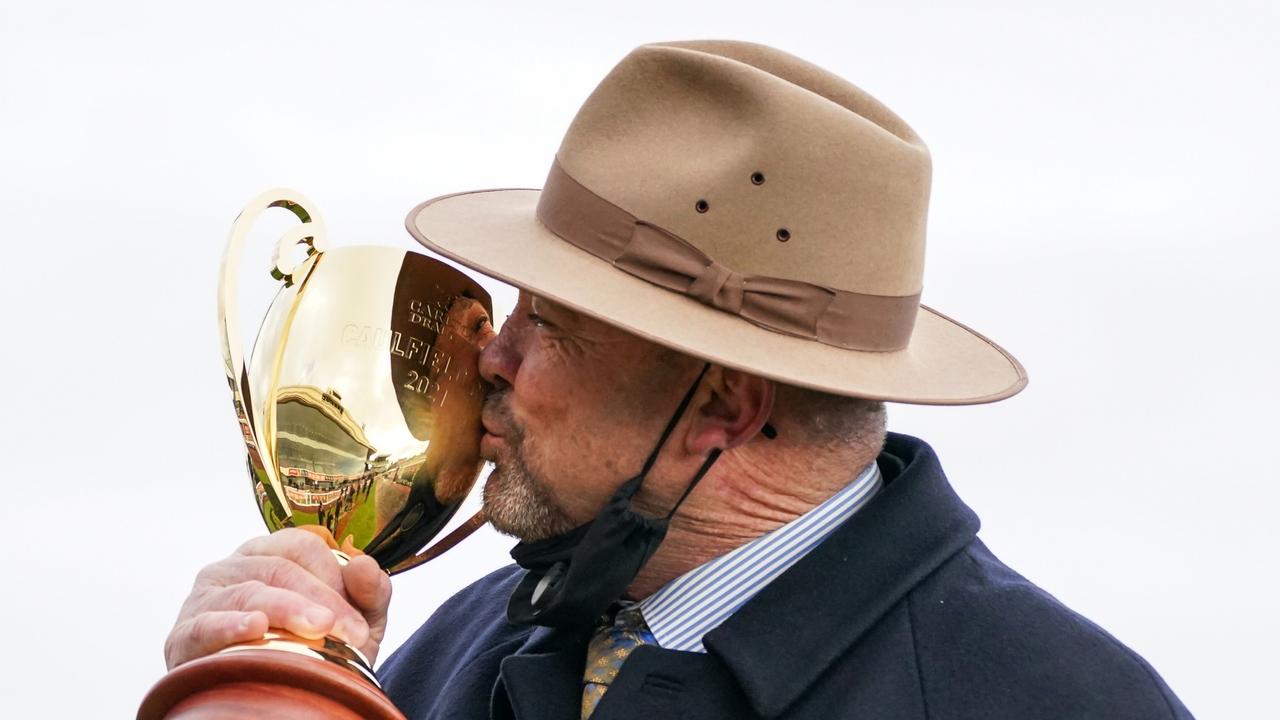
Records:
x=275, y=677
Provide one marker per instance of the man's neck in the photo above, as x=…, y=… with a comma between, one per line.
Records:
x=743, y=498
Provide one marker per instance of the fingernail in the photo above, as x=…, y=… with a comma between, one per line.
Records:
x=245, y=621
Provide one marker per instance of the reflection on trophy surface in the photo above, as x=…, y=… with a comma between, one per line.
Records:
x=360, y=405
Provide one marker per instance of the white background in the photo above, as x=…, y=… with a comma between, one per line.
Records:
x=1104, y=206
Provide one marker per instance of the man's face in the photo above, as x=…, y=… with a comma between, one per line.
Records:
x=576, y=407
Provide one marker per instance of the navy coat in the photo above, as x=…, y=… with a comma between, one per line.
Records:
x=901, y=613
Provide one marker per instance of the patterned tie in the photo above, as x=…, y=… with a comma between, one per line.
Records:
x=609, y=648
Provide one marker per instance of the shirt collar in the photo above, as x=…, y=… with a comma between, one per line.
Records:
x=695, y=603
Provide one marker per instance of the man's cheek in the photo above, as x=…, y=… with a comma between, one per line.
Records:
x=545, y=412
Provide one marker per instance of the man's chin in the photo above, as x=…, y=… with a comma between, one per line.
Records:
x=499, y=522
x=518, y=505
x=519, y=523
x=510, y=517
x=518, y=532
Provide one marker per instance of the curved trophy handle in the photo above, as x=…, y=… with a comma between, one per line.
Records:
x=457, y=535
x=310, y=233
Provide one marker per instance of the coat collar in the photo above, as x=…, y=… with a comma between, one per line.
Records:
x=850, y=581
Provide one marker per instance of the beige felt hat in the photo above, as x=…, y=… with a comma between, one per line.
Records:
x=741, y=205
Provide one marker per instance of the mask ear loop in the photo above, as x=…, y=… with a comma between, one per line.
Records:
x=671, y=424
x=706, y=465
x=768, y=431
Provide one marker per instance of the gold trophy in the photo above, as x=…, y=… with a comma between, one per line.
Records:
x=360, y=411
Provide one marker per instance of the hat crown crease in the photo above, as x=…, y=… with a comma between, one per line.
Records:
x=676, y=122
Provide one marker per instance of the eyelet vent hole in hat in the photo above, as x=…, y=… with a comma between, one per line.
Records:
x=757, y=178
x=783, y=234
x=702, y=206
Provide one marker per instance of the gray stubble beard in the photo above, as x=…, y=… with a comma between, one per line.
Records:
x=516, y=501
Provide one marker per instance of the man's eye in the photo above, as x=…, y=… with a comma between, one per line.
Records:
x=536, y=320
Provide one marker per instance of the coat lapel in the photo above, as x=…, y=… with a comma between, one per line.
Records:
x=543, y=680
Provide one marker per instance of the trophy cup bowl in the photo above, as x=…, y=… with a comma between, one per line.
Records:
x=360, y=412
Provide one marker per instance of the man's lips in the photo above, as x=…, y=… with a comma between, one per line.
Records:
x=491, y=428
x=492, y=418
x=492, y=436
x=489, y=446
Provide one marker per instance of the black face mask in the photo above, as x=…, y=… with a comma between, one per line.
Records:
x=573, y=578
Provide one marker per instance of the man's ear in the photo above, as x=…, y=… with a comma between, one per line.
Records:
x=729, y=410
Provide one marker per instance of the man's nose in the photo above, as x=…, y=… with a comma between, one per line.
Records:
x=500, y=357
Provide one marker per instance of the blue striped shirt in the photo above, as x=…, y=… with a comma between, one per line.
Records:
x=697, y=602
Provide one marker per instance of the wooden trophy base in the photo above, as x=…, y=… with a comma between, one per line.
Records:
x=265, y=682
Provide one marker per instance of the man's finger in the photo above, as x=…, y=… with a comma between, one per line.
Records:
x=303, y=548
x=285, y=609
x=368, y=586
x=210, y=632
x=246, y=575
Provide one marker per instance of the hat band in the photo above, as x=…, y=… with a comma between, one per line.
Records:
x=849, y=320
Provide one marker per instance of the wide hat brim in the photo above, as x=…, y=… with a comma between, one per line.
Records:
x=497, y=233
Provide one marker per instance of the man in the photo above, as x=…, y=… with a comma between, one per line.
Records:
x=720, y=286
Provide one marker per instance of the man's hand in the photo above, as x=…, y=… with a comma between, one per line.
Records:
x=288, y=580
